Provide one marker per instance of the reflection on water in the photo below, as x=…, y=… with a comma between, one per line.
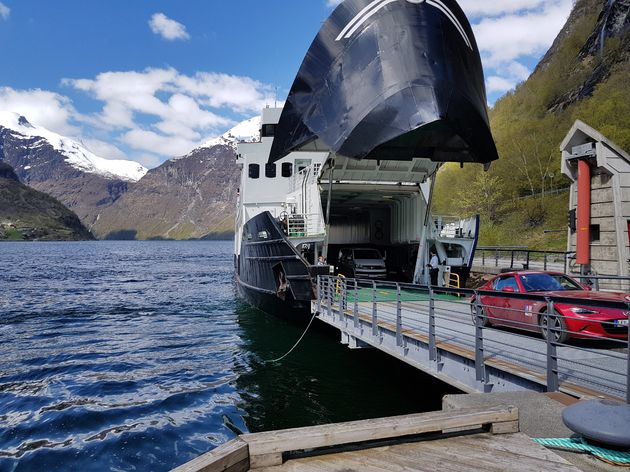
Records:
x=136, y=356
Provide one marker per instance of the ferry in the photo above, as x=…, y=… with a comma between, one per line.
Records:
x=388, y=91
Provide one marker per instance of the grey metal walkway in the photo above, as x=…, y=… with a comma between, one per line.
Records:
x=437, y=334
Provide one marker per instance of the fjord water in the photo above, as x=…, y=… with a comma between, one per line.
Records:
x=138, y=356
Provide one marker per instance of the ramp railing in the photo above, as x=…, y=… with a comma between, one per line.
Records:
x=576, y=345
x=521, y=258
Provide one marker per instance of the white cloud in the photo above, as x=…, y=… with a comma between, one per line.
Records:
x=164, y=112
x=499, y=84
x=504, y=39
x=169, y=29
x=475, y=8
x=5, y=11
x=104, y=149
x=150, y=141
x=155, y=113
x=48, y=109
x=149, y=161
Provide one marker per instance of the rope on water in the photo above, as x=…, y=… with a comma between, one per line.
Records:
x=275, y=361
x=618, y=458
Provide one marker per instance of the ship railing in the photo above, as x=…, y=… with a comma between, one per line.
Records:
x=453, y=227
x=552, y=351
x=304, y=226
x=305, y=177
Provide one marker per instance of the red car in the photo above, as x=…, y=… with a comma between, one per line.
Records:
x=575, y=320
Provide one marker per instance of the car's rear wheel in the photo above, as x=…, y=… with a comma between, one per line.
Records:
x=485, y=321
x=558, y=327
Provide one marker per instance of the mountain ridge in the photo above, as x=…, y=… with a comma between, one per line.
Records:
x=187, y=197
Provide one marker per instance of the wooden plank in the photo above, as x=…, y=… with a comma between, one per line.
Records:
x=515, y=452
x=370, y=430
x=232, y=456
x=509, y=427
x=264, y=460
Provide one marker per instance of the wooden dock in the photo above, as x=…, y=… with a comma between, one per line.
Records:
x=449, y=440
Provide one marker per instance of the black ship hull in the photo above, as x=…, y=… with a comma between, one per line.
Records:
x=391, y=80
x=271, y=274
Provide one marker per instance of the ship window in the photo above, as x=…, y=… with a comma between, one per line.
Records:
x=270, y=171
x=254, y=171
x=263, y=235
x=268, y=131
x=287, y=169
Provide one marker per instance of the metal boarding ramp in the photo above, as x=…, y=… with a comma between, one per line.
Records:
x=441, y=333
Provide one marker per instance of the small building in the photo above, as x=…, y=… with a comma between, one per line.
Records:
x=599, y=206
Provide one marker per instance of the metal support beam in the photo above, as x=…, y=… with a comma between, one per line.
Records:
x=355, y=311
x=374, y=311
x=553, y=384
x=432, y=338
x=319, y=294
x=399, y=336
x=480, y=367
x=628, y=362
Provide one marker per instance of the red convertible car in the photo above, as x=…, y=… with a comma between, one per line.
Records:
x=573, y=320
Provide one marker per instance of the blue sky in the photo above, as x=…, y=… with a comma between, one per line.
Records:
x=152, y=79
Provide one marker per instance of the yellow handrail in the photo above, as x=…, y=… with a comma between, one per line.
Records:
x=454, y=281
x=338, y=286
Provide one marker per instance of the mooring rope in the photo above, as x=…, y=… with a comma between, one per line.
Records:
x=275, y=361
x=618, y=458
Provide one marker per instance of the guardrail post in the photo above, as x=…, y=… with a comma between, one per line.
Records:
x=545, y=261
x=553, y=384
x=480, y=366
x=374, y=311
x=527, y=260
x=512, y=261
x=432, y=341
x=330, y=297
x=566, y=257
x=356, y=304
x=496, y=258
x=483, y=258
x=342, y=301
x=319, y=294
x=399, y=336
x=628, y=362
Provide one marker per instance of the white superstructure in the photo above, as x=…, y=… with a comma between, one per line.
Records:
x=286, y=189
x=325, y=202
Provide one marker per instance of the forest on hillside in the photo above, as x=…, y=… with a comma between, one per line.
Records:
x=524, y=195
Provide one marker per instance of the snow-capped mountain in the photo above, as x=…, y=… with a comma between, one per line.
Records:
x=247, y=131
x=74, y=153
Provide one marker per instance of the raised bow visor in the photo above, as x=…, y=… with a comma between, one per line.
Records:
x=390, y=80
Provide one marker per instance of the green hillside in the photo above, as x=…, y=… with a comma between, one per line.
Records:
x=524, y=193
x=26, y=214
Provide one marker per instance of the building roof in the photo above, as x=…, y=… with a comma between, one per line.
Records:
x=589, y=132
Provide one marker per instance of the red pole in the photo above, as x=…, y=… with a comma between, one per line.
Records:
x=583, y=256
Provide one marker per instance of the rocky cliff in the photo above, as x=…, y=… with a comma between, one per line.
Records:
x=190, y=197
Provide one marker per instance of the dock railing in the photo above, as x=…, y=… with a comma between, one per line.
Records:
x=583, y=353
x=522, y=258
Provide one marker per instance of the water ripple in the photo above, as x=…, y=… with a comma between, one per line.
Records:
x=135, y=356
x=113, y=346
